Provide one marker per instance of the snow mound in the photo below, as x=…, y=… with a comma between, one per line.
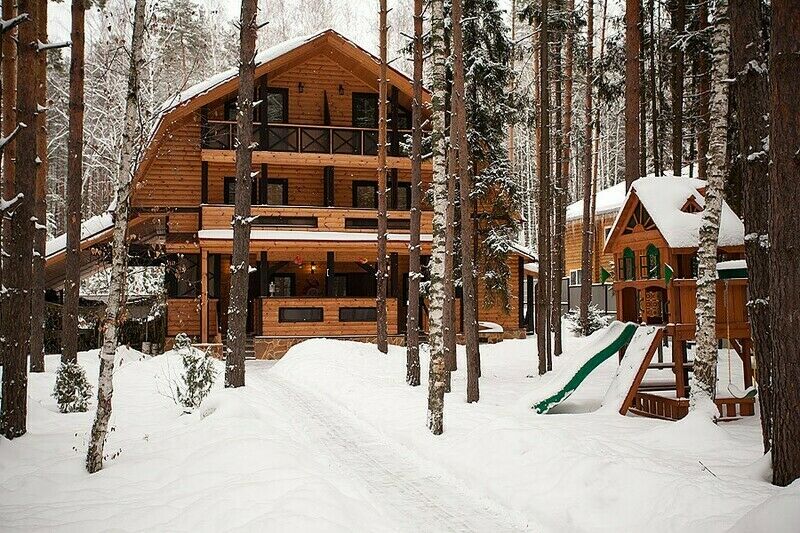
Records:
x=778, y=514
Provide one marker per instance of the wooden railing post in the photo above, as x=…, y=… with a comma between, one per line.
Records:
x=204, y=296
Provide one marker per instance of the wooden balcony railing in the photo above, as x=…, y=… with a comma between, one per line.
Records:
x=314, y=218
x=306, y=139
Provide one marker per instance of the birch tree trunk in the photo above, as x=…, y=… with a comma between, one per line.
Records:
x=752, y=97
x=436, y=379
x=40, y=206
x=588, y=220
x=704, y=377
x=15, y=325
x=784, y=239
x=119, y=253
x=69, y=320
x=414, y=267
x=632, y=88
x=240, y=262
x=382, y=273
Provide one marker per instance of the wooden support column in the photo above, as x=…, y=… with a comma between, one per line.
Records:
x=328, y=186
x=330, y=272
x=529, y=323
x=393, y=185
x=262, y=113
x=262, y=190
x=747, y=364
x=263, y=272
x=393, y=97
x=203, y=296
x=394, y=272
x=204, y=182
x=521, y=291
x=678, y=360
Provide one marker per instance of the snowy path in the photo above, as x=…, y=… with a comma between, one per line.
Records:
x=409, y=498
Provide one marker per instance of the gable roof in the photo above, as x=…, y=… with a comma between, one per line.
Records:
x=608, y=200
x=664, y=198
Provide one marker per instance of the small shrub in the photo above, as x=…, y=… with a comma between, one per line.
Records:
x=72, y=390
x=597, y=320
x=198, y=374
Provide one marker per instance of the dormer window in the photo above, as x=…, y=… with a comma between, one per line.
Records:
x=691, y=206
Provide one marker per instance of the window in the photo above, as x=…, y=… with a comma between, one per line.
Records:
x=607, y=233
x=183, y=275
x=283, y=222
x=357, y=314
x=277, y=191
x=281, y=285
x=365, y=110
x=365, y=194
x=354, y=284
x=575, y=277
x=300, y=314
x=653, y=262
x=277, y=102
x=229, y=191
x=628, y=264
x=403, y=118
x=404, y=196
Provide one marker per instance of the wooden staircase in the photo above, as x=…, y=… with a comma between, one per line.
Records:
x=249, y=348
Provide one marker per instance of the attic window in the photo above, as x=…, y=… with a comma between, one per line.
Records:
x=640, y=216
x=691, y=206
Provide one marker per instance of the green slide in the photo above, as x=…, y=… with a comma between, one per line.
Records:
x=578, y=365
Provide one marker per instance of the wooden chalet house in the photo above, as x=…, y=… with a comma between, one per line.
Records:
x=314, y=235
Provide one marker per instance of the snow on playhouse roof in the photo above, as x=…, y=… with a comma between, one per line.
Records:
x=664, y=199
x=608, y=200
x=89, y=228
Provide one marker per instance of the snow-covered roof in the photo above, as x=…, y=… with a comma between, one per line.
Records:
x=89, y=228
x=299, y=235
x=735, y=264
x=524, y=250
x=608, y=200
x=664, y=198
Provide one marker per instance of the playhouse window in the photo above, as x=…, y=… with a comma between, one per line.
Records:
x=653, y=262
x=628, y=264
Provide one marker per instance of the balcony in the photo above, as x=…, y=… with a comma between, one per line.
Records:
x=304, y=139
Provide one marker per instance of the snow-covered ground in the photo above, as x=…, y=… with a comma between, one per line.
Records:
x=331, y=439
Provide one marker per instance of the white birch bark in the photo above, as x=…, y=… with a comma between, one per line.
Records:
x=436, y=384
x=119, y=261
x=704, y=378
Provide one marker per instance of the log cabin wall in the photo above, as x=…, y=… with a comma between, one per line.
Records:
x=574, y=245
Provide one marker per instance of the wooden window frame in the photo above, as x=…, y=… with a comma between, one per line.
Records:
x=285, y=93
x=283, y=320
x=364, y=183
x=292, y=283
x=344, y=318
x=232, y=179
x=360, y=95
x=285, y=194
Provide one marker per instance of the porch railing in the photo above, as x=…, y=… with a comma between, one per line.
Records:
x=304, y=139
x=298, y=316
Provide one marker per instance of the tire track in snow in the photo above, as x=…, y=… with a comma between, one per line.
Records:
x=412, y=499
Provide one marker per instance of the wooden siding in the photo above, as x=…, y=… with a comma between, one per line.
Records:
x=183, y=316
x=330, y=324
x=574, y=246
x=495, y=313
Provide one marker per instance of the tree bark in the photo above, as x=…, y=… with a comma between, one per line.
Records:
x=543, y=171
x=784, y=240
x=632, y=88
x=678, y=29
x=119, y=253
x=414, y=267
x=240, y=262
x=588, y=221
x=40, y=206
x=69, y=321
x=15, y=326
x=752, y=97
x=704, y=377
x=559, y=201
x=9, y=120
x=436, y=379
x=704, y=89
x=657, y=163
x=382, y=271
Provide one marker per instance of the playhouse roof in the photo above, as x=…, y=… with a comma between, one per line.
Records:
x=664, y=199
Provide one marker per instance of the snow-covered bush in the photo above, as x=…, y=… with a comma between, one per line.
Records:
x=597, y=320
x=198, y=373
x=72, y=390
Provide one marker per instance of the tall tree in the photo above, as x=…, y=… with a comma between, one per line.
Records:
x=382, y=274
x=15, y=326
x=9, y=121
x=240, y=262
x=784, y=240
x=752, y=100
x=632, y=89
x=414, y=267
x=654, y=93
x=588, y=219
x=119, y=254
x=560, y=184
x=40, y=205
x=678, y=13
x=704, y=94
x=704, y=377
x=436, y=378
x=543, y=173
x=468, y=284
x=72, y=268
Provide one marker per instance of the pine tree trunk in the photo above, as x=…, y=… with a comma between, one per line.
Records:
x=240, y=262
x=588, y=222
x=704, y=89
x=436, y=379
x=40, y=207
x=632, y=88
x=119, y=253
x=414, y=267
x=15, y=325
x=448, y=313
x=752, y=97
x=559, y=202
x=657, y=168
x=382, y=271
x=704, y=377
x=9, y=122
x=468, y=283
x=678, y=29
x=69, y=321
x=784, y=297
